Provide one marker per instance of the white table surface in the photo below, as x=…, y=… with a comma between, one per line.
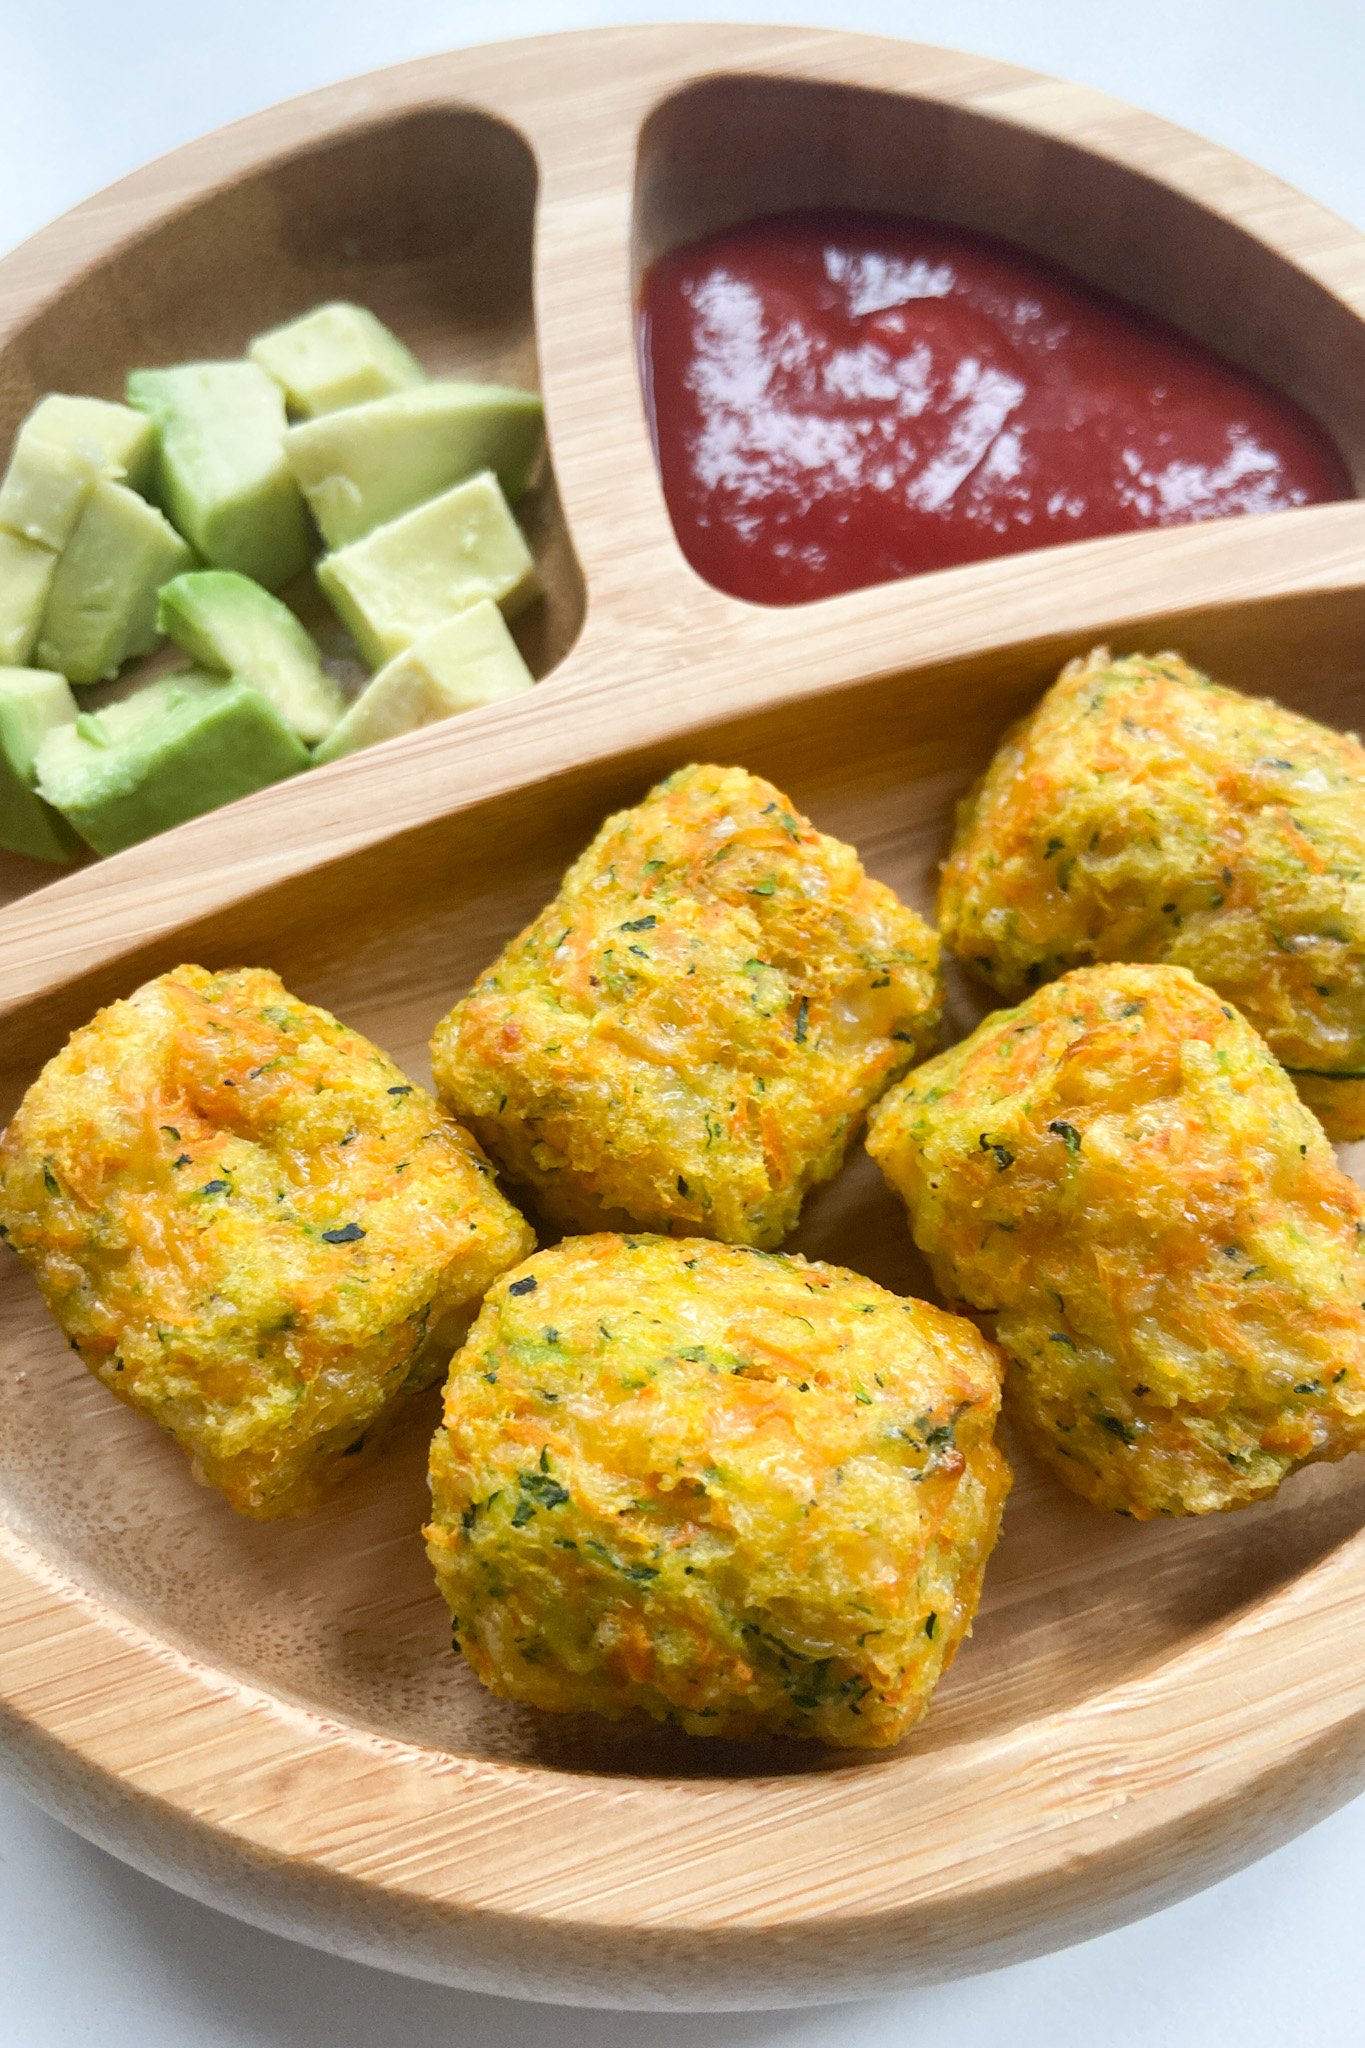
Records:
x=93, y=1953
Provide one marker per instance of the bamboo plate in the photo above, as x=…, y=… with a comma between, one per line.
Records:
x=268, y=1717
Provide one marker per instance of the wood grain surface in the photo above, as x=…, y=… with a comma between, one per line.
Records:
x=269, y=1717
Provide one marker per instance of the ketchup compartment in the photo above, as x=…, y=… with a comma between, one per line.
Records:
x=839, y=399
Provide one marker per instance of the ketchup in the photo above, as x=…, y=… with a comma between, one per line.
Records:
x=838, y=399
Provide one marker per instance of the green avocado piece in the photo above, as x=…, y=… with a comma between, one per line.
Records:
x=470, y=660
x=63, y=445
x=220, y=468
x=368, y=464
x=408, y=576
x=181, y=745
x=32, y=703
x=26, y=572
x=336, y=355
x=101, y=608
x=229, y=623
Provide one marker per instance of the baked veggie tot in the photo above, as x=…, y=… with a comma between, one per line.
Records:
x=1142, y=812
x=688, y=1038
x=1120, y=1173
x=739, y=1492
x=251, y=1226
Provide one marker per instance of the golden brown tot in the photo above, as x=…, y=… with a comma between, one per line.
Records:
x=250, y=1225
x=689, y=1036
x=729, y=1489
x=1142, y=812
x=1121, y=1174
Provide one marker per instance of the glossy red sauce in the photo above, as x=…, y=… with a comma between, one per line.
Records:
x=839, y=399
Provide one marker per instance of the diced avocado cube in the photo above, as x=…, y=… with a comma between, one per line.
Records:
x=32, y=703
x=470, y=660
x=45, y=489
x=336, y=355
x=26, y=572
x=182, y=745
x=368, y=464
x=229, y=623
x=119, y=439
x=407, y=576
x=63, y=445
x=220, y=469
x=101, y=609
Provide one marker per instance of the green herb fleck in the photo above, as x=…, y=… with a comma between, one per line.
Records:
x=541, y=1491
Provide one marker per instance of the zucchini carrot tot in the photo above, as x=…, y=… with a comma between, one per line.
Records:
x=251, y=1226
x=741, y=1492
x=689, y=1037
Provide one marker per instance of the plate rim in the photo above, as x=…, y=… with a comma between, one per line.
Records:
x=63, y=1730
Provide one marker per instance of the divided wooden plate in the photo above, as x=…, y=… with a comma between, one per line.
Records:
x=269, y=1717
